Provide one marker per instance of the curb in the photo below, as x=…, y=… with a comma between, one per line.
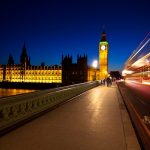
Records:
x=129, y=133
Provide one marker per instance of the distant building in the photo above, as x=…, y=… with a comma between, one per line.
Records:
x=32, y=74
x=25, y=72
x=93, y=74
x=115, y=75
x=73, y=73
x=103, y=56
x=24, y=59
x=67, y=73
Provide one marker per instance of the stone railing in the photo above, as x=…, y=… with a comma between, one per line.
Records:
x=18, y=109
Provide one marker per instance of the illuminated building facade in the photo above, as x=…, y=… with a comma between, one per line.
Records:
x=93, y=74
x=1, y=73
x=25, y=72
x=137, y=67
x=103, y=57
x=32, y=74
x=67, y=73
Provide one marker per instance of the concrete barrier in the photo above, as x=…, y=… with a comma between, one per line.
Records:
x=18, y=109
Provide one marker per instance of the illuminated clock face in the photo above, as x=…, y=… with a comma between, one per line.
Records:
x=103, y=47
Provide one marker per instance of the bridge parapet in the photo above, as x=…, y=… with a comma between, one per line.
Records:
x=16, y=110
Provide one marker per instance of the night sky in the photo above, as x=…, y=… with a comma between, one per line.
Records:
x=50, y=28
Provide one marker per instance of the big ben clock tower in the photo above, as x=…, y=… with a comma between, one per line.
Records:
x=103, y=57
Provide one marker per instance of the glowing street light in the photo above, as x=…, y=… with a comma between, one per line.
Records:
x=95, y=64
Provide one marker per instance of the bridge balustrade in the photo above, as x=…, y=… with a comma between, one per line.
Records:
x=16, y=110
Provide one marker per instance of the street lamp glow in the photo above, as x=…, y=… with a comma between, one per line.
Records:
x=95, y=63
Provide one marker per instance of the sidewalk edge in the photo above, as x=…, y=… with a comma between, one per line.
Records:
x=129, y=133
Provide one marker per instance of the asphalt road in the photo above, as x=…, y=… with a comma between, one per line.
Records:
x=140, y=97
x=137, y=99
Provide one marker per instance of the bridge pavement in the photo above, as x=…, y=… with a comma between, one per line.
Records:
x=94, y=120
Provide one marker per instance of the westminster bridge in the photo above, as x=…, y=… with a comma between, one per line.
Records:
x=83, y=116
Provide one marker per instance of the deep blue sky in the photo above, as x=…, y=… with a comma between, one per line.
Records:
x=50, y=28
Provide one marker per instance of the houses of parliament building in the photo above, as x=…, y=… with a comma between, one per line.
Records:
x=67, y=73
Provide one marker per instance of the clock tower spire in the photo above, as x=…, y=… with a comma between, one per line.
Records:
x=103, y=56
